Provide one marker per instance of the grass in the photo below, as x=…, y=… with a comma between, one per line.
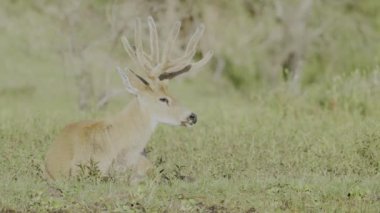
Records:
x=262, y=150
x=267, y=152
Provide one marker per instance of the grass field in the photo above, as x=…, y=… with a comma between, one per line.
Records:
x=318, y=151
x=262, y=150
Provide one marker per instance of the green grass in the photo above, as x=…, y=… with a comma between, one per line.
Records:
x=268, y=152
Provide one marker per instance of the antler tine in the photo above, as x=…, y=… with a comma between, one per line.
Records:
x=184, y=64
x=203, y=61
x=136, y=53
x=177, y=67
x=129, y=49
x=170, y=41
x=141, y=56
x=154, y=48
x=195, y=39
x=138, y=42
x=186, y=67
x=126, y=81
x=191, y=47
x=157, y=70
x=185, y=59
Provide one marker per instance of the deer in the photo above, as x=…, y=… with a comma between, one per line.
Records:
x=116, y=143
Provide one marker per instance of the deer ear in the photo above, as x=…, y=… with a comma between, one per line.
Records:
x=140, y=83
x=170, y=75
x=133, y=82
x=142, y=80
x=127, y=83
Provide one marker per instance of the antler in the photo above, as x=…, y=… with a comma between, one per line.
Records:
x=159, y=65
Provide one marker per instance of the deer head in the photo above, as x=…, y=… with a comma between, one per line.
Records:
x=159, y=68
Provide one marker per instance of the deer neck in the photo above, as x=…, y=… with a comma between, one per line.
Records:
x=133, y=127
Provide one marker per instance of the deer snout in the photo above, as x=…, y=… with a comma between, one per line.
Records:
x=192, y=119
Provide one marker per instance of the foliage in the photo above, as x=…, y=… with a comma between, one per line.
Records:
x=339, y=37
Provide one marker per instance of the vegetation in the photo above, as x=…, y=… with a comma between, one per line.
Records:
x=259, y=146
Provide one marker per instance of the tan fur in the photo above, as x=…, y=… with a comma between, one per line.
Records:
x=117, y=142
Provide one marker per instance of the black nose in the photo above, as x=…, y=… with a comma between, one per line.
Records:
x=193, y=118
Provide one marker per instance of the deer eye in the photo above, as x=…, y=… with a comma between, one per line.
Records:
x=164, y=100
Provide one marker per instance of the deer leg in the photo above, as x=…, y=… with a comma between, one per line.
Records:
x=142, y=168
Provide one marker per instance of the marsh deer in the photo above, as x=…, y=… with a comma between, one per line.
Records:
x=117, y=142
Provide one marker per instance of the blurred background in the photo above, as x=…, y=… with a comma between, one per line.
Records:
x=69, y=49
